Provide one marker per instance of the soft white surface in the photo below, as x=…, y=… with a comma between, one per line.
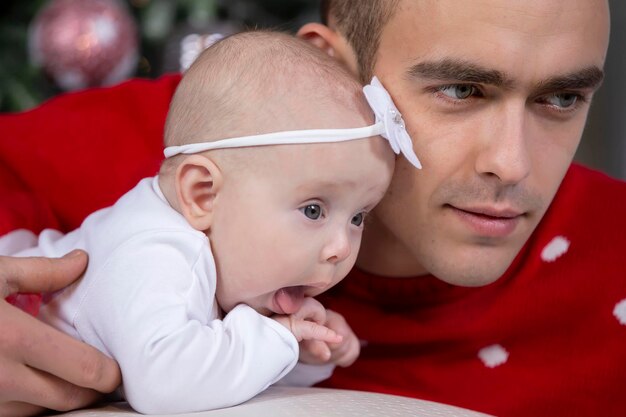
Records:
x=312, y=402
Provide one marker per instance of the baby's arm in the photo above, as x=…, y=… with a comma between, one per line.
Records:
x=153, y=319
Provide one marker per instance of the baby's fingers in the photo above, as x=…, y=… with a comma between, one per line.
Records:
x=347, y=353
x=314, y=352
x=311, y=310
x=308, y=330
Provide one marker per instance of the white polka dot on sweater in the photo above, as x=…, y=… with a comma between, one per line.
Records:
x=620, y=311
x=557, y=247
x=494, y=355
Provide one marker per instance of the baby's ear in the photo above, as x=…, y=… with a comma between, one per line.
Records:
x=198, y=180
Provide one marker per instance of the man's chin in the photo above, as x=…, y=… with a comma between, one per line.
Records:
x=472, y=271
x=466, y=280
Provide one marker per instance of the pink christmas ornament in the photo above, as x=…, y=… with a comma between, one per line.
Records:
x=84, y=43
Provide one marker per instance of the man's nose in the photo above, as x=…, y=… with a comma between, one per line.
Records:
x=503, y=152
x=337, y=247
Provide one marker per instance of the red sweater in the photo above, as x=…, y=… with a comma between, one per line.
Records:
x=554, y=332
x=546, y=339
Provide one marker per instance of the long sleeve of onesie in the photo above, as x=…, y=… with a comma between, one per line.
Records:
x=175, y=356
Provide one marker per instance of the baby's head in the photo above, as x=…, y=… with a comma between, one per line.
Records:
x=261, y=82
x=284, y=220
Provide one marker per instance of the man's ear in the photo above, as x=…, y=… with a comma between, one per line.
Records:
x=198, y=182
x=331, y=42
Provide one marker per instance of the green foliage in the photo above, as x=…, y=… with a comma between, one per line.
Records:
x=23, y=86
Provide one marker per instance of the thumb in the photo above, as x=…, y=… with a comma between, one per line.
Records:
x=39, y=274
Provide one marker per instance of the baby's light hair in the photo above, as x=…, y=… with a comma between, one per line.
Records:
x=239, y=86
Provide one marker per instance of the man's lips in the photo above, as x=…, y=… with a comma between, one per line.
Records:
x=489, y=221
x=288, y=300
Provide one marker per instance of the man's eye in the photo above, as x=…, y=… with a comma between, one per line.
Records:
x=562, y=100
x=357, y=219
x=312, y=211
x=459, y=91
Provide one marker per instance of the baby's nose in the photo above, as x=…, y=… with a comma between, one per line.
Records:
x=338, y=248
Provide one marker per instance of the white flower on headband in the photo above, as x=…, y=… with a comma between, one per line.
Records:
x=386, y=112
x=389, y=125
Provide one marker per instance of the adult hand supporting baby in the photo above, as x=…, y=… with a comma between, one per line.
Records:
x=41, y=367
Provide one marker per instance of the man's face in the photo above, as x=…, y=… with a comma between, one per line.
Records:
x=495, y=95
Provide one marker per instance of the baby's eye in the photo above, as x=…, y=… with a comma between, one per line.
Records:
x=357, y=219
x=312, y=211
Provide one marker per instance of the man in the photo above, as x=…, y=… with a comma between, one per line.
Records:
x=495, y=95
x=476, y=285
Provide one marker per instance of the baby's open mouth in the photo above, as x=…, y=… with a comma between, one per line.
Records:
x=288, y=300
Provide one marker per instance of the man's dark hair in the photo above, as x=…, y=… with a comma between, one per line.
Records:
x=361, y=22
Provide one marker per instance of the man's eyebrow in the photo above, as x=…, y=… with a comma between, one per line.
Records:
x=458, y=70
x=586, y=78
x=465, y=71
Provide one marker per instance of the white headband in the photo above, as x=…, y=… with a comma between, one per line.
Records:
x=389, y=125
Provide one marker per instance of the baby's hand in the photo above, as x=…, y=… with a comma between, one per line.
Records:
x=324, y=335
x=342, y=353
x=308, y=324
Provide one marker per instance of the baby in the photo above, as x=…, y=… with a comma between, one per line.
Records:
x=200, y=280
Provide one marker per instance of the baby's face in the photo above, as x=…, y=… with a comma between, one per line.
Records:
x=292, y=227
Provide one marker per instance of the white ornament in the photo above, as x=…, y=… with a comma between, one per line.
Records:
x=192, y=46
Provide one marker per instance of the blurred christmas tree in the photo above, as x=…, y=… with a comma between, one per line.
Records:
x=83, y=33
